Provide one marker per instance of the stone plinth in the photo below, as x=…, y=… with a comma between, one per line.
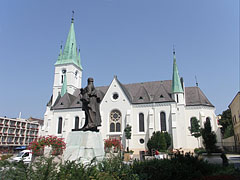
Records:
x=84, y=146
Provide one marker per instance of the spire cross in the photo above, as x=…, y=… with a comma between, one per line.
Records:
x=61, y=44
x=173, y=49
x=72, y=16
x=196, y=81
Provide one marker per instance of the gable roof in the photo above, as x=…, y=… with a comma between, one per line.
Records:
x=159, y=92
x=67, y=101
x=139, y=93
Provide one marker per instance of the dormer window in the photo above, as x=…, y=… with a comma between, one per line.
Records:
x=61, y=103
x=140, y=97
x=161, y=96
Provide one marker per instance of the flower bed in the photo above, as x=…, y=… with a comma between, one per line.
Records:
x=57, y=145
x=112, y=145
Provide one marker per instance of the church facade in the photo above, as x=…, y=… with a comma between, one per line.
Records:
x=165, y=105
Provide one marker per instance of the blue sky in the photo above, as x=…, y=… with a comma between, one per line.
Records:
x=132, y=39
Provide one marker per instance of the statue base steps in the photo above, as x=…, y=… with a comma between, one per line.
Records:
x=84, y=146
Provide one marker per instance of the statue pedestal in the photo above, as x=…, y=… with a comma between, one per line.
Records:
x=84, y=146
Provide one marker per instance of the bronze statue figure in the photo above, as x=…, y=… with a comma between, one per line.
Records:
x=91, y=99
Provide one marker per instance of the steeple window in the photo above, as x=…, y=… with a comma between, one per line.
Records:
x=62, y=76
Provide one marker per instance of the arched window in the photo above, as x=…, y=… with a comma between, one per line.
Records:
x=112, y=127
x=163, y=121
x=76, y=122
x=141, y=122
x=115, y=121
x=59, y=125
x=118, y=127
x=208, y=119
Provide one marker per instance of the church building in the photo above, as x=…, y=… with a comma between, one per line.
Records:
x=164, y=105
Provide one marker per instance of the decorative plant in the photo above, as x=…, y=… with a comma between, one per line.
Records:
x=57, y=145
x=209, y=137
x=160, y=141
x=195, y=129
x=128, y=133
x=112, y=143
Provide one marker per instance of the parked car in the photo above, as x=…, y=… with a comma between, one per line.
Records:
x=25, y=156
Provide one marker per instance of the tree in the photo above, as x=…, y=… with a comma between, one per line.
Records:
x=195, y=129
x=226, y=123
x=159, y=141
x=168, y=139
x=128, y=134
x=209, y=137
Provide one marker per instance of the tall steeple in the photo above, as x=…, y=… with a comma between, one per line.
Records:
x=70, y=54
x=68, y=68
x=176, y=83
x=64, y=86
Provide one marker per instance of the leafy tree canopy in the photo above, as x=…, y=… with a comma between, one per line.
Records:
x=226, y=122
x=128, y=131
x=195, y=127
x=159, y=141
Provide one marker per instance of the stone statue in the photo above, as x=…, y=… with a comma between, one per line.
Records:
x=91, y=99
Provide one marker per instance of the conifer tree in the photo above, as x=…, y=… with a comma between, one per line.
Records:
x=209, y=137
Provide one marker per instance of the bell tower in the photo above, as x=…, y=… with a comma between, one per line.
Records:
x=68, y=68
x=177, y=85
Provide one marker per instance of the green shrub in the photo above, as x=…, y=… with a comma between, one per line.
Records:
x=199, y=151
x=6, y=156
x=159, y=141
x=209, y=137
x=179, y=167
x=117, y=169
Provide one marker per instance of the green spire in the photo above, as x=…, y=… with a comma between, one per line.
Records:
x=69, y=54
x=176, y=84
x=59, y=56
x=79, y=60
x=64, y=86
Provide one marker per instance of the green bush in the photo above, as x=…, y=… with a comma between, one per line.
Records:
x=199, y=151
x=159, y=141
x=209, y=137
x=180, y=167
x=117, y=169
x=6, y=156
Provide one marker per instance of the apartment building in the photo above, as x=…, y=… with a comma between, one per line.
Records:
x=18, y=133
